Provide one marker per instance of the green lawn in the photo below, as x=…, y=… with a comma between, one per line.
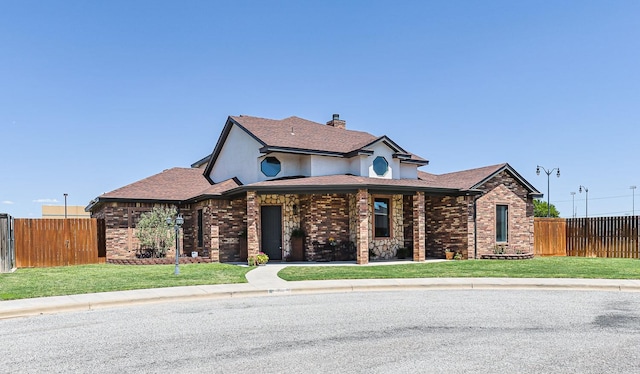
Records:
x=540, y=267
x=69, y=280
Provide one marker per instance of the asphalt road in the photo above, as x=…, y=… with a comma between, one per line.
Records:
x=442, y=331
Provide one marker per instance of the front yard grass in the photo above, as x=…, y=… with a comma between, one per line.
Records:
x=539, y=267
x=70, y=280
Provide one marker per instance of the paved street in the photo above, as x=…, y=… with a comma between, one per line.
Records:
x=437, y=331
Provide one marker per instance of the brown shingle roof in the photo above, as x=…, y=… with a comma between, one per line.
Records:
x=176, y=184
x=463, y=180
x=306, y=134
x=342, y=181
x=302, y=134
x=458, y=181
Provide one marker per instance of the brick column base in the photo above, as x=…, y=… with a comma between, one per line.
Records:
x=362, y=235
x=419, y=237
x=253, y=218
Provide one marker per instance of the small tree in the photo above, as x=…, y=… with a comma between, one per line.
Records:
x=540, y=209
x=152, y=230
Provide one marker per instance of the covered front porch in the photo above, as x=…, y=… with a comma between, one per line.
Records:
x=352, y=225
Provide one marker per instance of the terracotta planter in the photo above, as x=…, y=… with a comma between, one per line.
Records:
x=243, y=249
x=449, y=255
x=297, y=249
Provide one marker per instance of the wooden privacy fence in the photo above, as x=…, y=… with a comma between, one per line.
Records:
x=59, y=242
x=603, y=237
x=616, y=237
x=7, y=250
x=550, y=236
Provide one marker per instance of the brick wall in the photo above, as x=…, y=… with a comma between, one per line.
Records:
x=120, y=221
x=224, y=224
x=449, y=222
x=503, y=189
x=446, y=225
x=324, y=216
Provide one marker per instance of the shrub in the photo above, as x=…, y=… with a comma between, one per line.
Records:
x=152, y=230
x=260, y=259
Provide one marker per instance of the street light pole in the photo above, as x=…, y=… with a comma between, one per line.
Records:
x=548, y=172
x=633, y=204
x=65, y=205
x=176, y=226
x=573, y=204
x=586, y=200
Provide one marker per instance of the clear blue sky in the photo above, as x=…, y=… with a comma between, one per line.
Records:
x=95, y=95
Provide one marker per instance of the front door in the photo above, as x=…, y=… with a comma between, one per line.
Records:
x=271, y=222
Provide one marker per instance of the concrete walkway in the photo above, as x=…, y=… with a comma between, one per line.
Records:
x=264, y=281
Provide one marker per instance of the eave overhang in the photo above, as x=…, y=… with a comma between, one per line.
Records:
x=103, y=200
x=351, y=188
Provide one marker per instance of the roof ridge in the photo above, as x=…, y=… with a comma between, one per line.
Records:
x=496, y=166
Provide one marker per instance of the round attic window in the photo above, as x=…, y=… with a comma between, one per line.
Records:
x=380, y=166
x=270, y=166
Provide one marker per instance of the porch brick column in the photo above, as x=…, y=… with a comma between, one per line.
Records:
x=362, y=235
x=253, y=222
x=418, y=227
x=214, y=252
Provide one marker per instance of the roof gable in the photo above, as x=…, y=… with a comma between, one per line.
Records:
x=298, y=135
x=473, y=178
x=302, y=134
x=171, y=185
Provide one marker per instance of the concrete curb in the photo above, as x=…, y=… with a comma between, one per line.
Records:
x=85, y=302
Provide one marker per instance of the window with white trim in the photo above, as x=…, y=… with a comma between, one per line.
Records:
x=502, y=223
x=382, y=218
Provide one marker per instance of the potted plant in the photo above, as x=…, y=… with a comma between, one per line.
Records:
x=242, y=240
x=297, y=244
x=262, y=258
x=448, y=254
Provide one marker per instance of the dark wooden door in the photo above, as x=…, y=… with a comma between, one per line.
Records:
x=271, y=222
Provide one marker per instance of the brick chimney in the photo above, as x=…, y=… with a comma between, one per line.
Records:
x=337, y=122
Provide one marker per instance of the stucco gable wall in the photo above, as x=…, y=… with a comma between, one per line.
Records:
x=327, y=165
x=382, y=150
x=238, y=158
x=408, y=171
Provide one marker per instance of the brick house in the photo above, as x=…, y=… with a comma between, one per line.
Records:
x=354, y=195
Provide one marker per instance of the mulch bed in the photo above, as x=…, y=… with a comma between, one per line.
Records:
x=158, y=261
x=505, y=256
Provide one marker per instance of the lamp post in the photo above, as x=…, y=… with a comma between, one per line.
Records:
x=548, y=172
x=65, y=205
x=633, y=204
x=573, y=204
x=176, y=226
x=586, y=200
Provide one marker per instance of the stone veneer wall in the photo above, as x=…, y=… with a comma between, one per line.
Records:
x=446, y=225
x=324, y=216
x=386, y=248
x=503, y=189
x=407, y=220
x=290, y=216
x=120, y=221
